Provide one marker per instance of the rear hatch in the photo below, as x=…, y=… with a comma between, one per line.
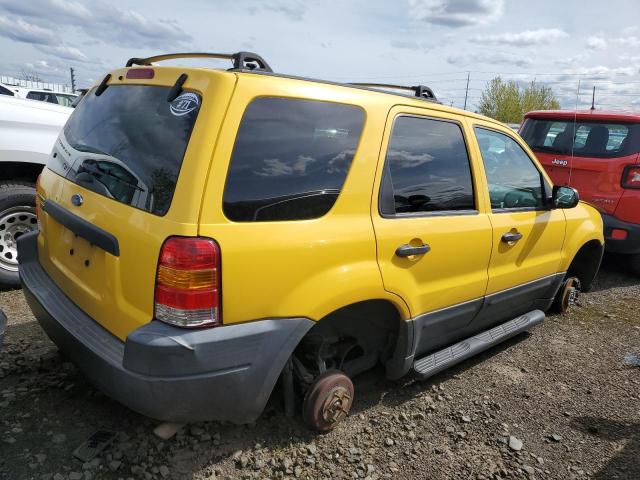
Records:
x=589, y=155
x=129, y=167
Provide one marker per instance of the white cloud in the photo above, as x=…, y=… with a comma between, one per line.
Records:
x=22, y=31
x=492, y=58
x=572, y=60
x=67, y=53
x=596, y=43
x=457, y=13
x=103, y=21
x=523, y=39
x=630, y=41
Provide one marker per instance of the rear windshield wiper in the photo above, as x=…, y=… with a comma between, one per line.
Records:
x=95, y=171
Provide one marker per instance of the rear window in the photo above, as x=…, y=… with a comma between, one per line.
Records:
x=587, y=139
x=290, y=159
x=128, y=144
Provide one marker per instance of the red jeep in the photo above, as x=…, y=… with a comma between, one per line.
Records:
x=596, y=152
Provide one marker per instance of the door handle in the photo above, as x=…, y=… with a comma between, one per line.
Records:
x=511, y=237
x=407, y=250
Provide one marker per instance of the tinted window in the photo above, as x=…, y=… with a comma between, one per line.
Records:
x=128, y=144
x=5, y=91
x=588, y=139
x=426, y=168
x=290, y=159
x=43, y=97
x=514, y=181
x=65, y=100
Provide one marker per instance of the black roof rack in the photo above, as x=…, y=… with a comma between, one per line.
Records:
x=241, y=60
x=420, y=91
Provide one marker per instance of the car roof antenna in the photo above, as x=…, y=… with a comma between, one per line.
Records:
x=573, y=138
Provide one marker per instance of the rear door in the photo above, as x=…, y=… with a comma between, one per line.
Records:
x=593, y=163
x=527, y=235
x=127, y=172
x=433, y=237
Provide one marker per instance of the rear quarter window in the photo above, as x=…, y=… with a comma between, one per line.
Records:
x=290, y=159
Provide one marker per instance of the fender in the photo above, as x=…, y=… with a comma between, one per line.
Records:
x=584, y=224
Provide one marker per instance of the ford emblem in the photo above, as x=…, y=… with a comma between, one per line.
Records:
x=77, y=199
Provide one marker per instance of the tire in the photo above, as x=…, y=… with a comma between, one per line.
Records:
x=634, y=263
x=17, y=217
x=327, y=401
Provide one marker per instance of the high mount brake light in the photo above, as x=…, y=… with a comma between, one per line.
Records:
x=631, y=177
x=140, y=73
x=188, y=283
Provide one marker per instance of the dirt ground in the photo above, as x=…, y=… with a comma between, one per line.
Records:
x=557, y=403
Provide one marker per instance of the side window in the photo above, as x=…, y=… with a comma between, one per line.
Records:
x=514, y=180
x=5, y=91
x=426, y=168
x=42, y=96
x=290, y=159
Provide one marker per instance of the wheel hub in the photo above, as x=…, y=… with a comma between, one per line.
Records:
x=337, y=405
x=14, y=222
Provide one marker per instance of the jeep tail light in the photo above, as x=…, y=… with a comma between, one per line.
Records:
x=188, y=283
x=631, y=176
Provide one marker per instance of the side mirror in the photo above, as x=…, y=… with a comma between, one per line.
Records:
x=564, y=197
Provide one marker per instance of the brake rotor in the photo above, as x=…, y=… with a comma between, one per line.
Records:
x=328, y=400
x=569, y=294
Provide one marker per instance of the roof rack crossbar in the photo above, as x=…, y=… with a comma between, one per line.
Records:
x=241, y=60
x=420, y=91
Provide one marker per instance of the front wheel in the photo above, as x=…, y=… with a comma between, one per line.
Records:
x=17, y=217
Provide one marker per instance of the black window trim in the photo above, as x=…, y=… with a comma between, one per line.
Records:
x=292, y=97
x=546, y=188
x=439, y=213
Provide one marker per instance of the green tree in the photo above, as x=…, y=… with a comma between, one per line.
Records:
x=507, y=102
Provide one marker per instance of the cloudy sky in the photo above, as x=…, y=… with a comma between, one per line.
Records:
x=432, y=42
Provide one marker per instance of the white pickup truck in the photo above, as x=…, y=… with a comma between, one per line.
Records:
x=28, y=129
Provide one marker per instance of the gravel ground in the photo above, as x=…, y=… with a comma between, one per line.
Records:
x=557, y=403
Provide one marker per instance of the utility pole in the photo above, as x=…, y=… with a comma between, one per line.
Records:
x=73, y=80
x=593, y=99
x=466, y=93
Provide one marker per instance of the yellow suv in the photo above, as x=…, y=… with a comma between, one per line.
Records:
x=203, y=233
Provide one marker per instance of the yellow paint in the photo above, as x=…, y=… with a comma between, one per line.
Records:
x=301, y=268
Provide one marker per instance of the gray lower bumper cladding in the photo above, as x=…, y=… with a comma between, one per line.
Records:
x=167, y=373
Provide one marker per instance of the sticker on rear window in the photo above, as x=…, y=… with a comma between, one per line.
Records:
x=184, y=104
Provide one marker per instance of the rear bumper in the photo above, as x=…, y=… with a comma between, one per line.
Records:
x=629, y=245
x=225, y=373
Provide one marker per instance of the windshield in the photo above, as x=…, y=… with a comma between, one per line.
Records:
x=583, y=138
x=127, y=144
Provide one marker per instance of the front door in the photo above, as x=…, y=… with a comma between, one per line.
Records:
x=433, y=237
x=527, y=234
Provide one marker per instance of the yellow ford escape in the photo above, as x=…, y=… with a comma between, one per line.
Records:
x=204, y=233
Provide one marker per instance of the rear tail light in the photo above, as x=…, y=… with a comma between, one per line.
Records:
x=631, y=176
x=619, y=234
x=188, y=283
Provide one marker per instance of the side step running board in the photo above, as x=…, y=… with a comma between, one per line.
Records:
x=429, y=365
